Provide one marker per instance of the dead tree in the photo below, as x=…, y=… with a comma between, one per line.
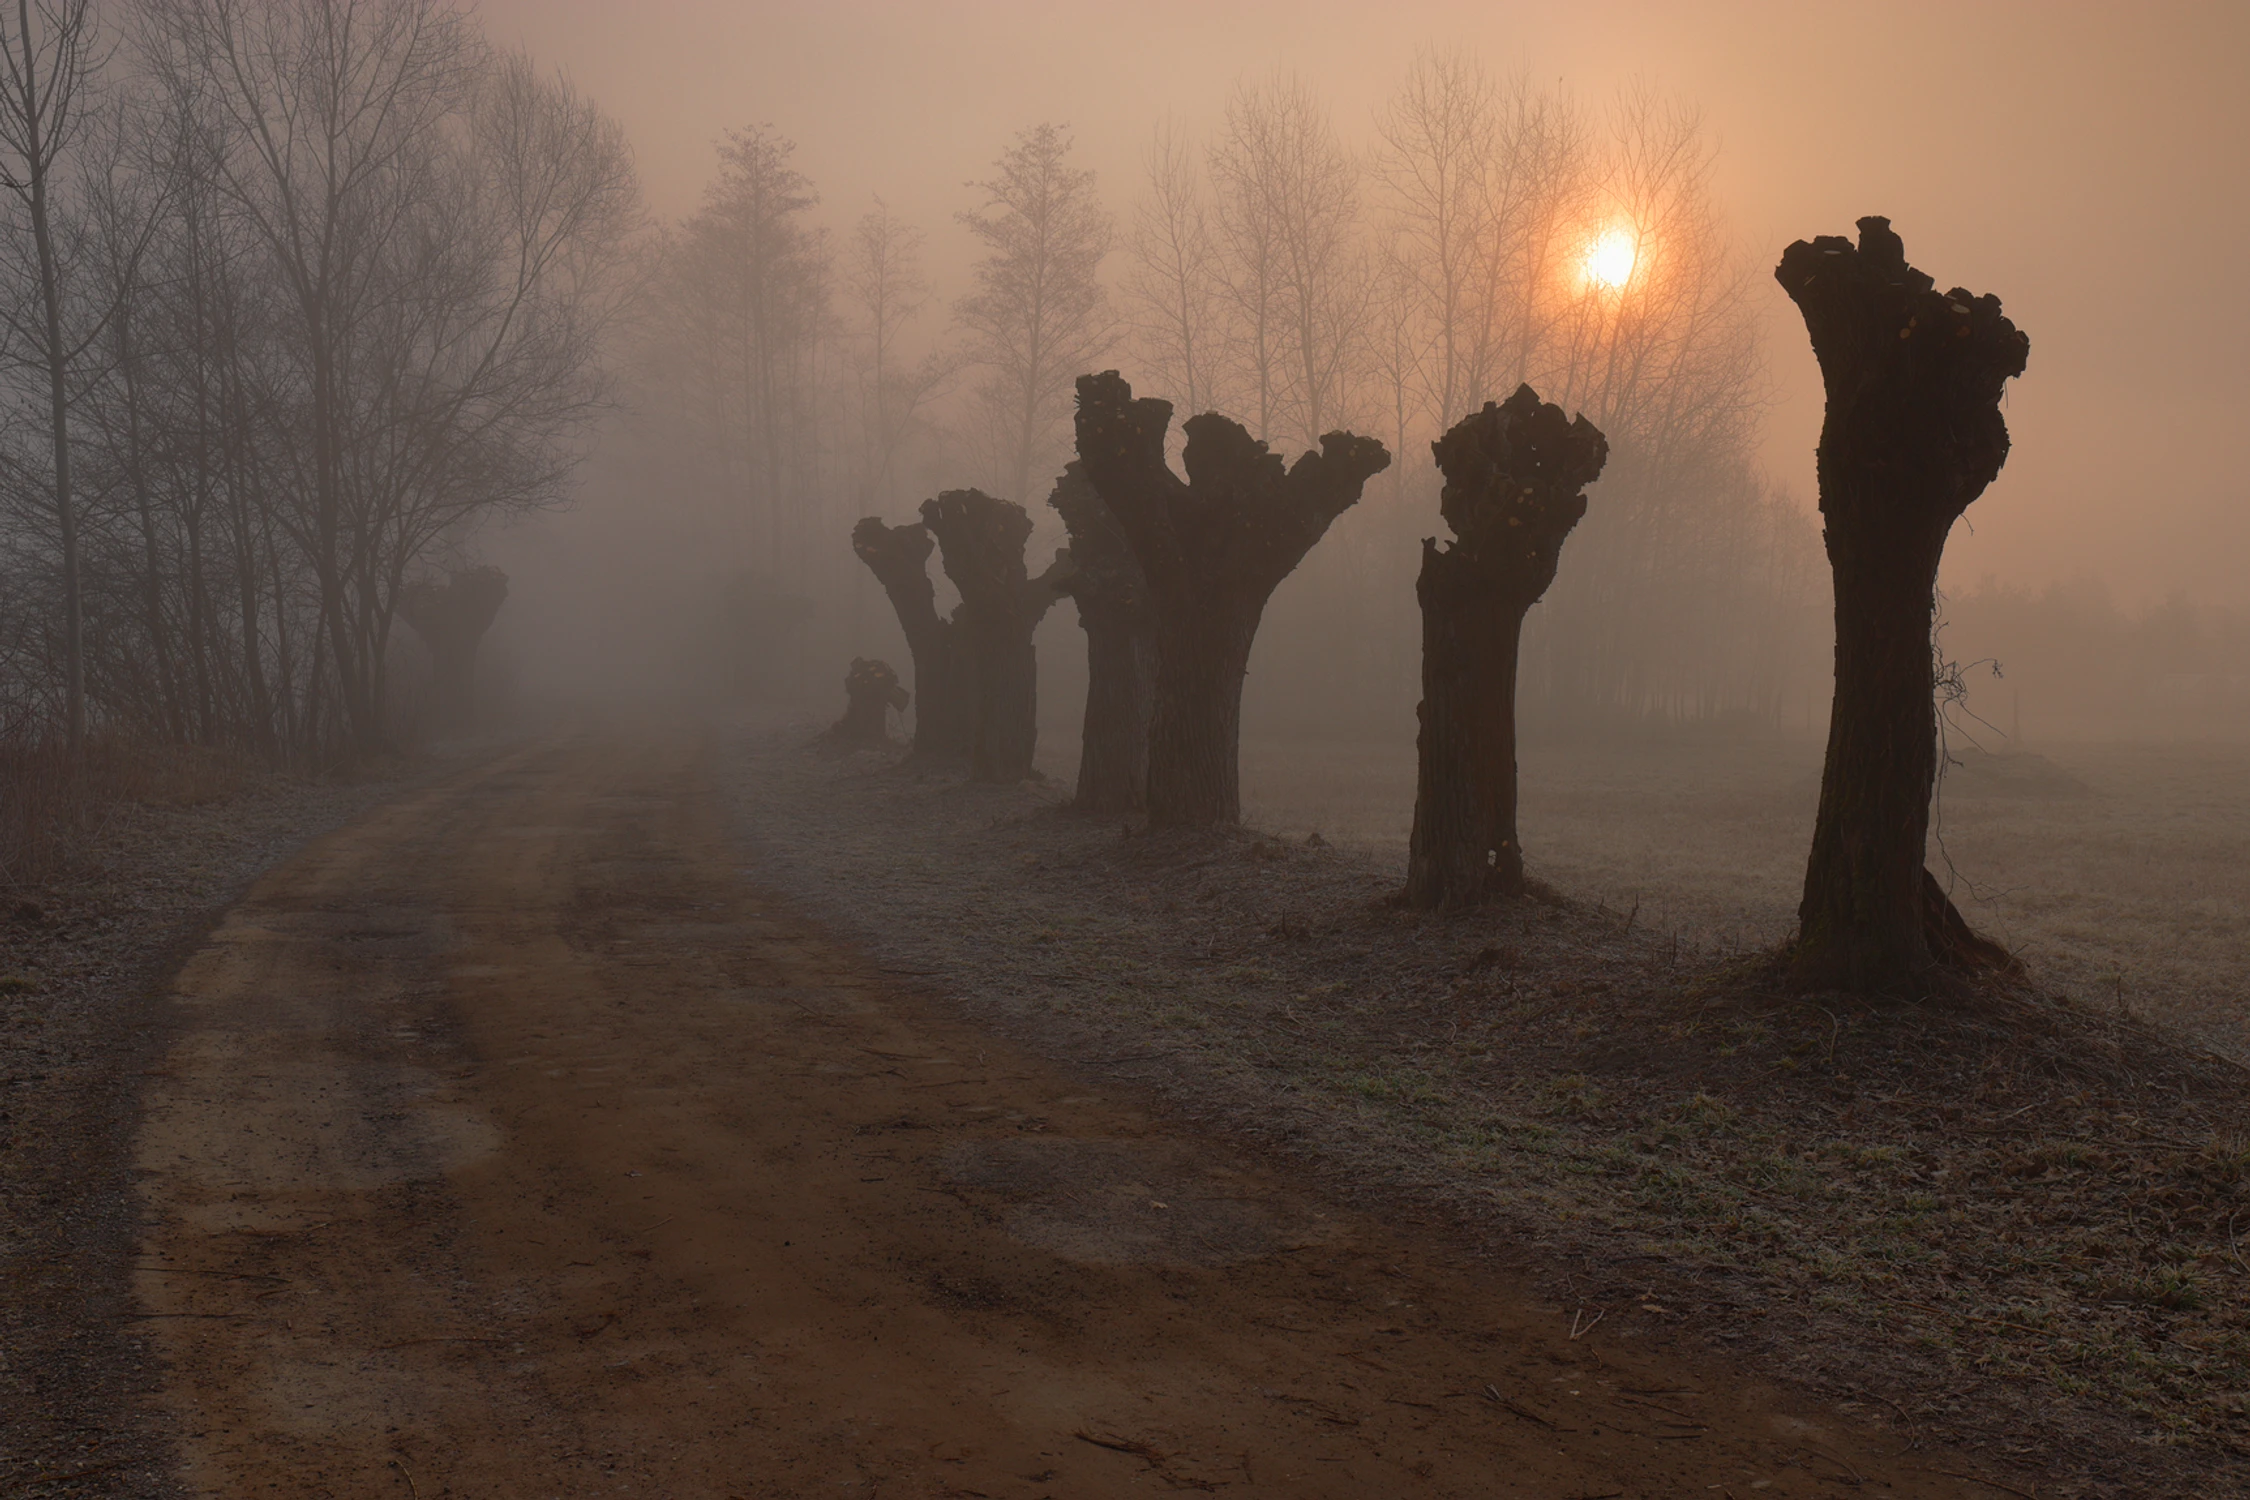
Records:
x=1515, y=479
x=871, y=691
x=982, y=540
x=1213, y=549
x=1113, y=609
x=944, y=691
x=1913, y=434
x=451, y=618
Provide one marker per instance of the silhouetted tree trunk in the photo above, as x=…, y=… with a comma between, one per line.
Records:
x=1213, y=549
x=1913, y=434
x=871, y=691
x=944, y=687
x=451, y=618
x=1515, y=478
x=982, y=541
x=1113, y=608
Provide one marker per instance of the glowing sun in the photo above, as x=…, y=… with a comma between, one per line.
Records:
x=1609, y=259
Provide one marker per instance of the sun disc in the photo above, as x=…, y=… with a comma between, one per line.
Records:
x=1609, y=259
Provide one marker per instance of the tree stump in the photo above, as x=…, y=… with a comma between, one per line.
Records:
x=1113, y=609
x=944, y=685
x=1515, y=478
x=871, y=691
x=452, y=618
x=1213, y=549
x=982, y=541
x=1913, y=434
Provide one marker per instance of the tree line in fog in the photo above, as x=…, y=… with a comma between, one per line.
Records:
x=1479, y=233
x=297, y=293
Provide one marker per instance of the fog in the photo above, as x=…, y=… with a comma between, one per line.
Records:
x=2082, y=163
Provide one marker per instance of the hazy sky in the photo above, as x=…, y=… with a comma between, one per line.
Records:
x=2089, y=163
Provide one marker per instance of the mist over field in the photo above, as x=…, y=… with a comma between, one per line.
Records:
x=1020, y=748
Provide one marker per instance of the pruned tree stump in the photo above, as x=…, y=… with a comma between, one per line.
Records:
x=871, y=692
x=452, y=619
x=1212, y=548
x=1911, y=436
x=944, y=682
x=1515, y=481
x=982, y=541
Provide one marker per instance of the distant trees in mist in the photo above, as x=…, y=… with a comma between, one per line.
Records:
x=300, y=292
x=1303, y=277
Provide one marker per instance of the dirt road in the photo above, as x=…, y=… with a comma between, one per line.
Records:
x=514, y=1144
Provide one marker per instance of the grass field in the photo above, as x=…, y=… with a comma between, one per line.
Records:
x=2120, y=872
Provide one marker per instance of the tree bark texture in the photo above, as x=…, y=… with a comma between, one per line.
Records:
x=1113, y=609
x=981, y=540
x=452, y=618
x=1213, y=548
x=1913, y=434
x=871, y=691
x=944, y=687
x=1515, y=479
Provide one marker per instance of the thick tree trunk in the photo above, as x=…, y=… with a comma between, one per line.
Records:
x=452, y=618
x=1212, y=549
x=1913, y=434
x=871, y=692
x=1113, y=609
x=898, y=556
x=1195, y=720
x=1120, y=695
x=1001, y=606
x=1515, y=478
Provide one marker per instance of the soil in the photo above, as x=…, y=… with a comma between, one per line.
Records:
x=83, y=960
x=517, y=1140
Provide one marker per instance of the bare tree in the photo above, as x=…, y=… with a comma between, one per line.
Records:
x=1039, y=315
x=1172, y=282
x=46, y=72
x=441, y=230
x=1439, y=162
x=1294, y=262
x=757, y=273
x=885, y=279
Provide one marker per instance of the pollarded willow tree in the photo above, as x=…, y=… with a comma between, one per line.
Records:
x=1213, y=549
x=982, y=540
x=1912, y=434
x=944, y=715
x=1113, y=609
x=1515, y=481
x=871, y=693
x=452, y=618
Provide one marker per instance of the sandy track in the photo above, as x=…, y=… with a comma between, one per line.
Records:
x=514, y=1145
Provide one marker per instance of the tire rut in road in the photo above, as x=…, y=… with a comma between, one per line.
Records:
x=514, y=1145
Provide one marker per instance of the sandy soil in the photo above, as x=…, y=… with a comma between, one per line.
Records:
x=515, y=1143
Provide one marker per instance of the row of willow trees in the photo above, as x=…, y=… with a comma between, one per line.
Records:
x=1173, y=568
x=296, y=293
x=1480, y=234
